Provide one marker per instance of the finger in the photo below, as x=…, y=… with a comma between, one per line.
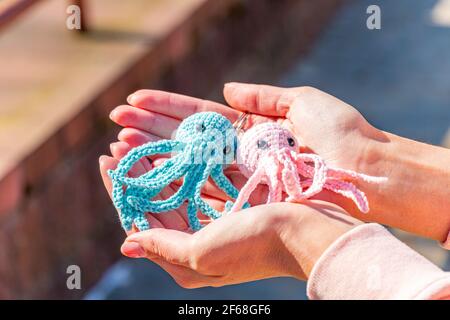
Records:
x=260, y=99
x=171, y=219
x=210, y=189
x=174, y=219
x=152, y=221
x=186, y=277
x=343, y=202
x=136, y=137
x=107, y=163
x=176, y=105
x=120, y=150
x=172, y=246
x=215, y=203
x=151, y=122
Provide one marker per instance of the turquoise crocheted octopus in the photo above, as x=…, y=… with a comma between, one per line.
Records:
x=204, y=144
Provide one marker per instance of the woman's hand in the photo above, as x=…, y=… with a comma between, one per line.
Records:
x=275, y=240
x=414, y=199
x=155, y=115
x=325, y=124
x=416, y=196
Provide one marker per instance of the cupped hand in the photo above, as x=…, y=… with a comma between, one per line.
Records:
x=322, y=123
x=275, y=240
x=154, y=115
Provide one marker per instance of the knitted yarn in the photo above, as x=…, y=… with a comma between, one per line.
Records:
x=204, y=143
x=269, y=153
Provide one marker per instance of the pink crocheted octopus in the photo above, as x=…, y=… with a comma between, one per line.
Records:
x=269, y=153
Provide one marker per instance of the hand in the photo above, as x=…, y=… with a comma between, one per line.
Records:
x=145, y=122
x=416, y=195
x=325, y=125
x=328, y=126
x=155, y=115
x=275, y=240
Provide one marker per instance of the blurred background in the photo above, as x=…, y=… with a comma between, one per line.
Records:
x=58, y=85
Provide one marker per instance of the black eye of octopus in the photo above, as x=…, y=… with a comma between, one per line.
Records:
x=200, y=127
x=226, y=150
x=262, y=144
x=291, y=142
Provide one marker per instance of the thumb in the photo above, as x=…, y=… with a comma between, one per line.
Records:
x=170, y=245
x=260, y=99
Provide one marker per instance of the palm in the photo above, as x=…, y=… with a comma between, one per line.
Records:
x=329, y=127
x=154, y=116
x=322, y=123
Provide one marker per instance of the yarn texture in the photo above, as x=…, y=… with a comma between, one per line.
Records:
x=268, y=153
x=204, y=144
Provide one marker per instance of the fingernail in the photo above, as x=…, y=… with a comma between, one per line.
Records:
x=112, y=115
x=112, y=147
x=130, y=98
x=101, y=159
x=230, y=85
x=132, y=249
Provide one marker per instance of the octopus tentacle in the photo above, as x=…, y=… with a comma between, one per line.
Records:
x=290, y=178
x=199, y=202
x=249, y=187
x=349, y=190
x=127, y=215
x=120, y=198
x=163, y=175
x=150, y=148
x=170, y=164
x=350, y=174
x=320, y=171
x=141, y=222
x=346, y=189
x=221, y=180
x=125, y=212
x=338, y=173
x=273, y=181
x=173, y=202
x=192, y=216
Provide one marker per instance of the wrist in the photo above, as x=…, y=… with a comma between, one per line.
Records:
x=307, y=230
x=373, y=154
x=414, y=198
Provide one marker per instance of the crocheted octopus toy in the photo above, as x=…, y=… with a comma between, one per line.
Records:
x=205, y=142
x=268, y=153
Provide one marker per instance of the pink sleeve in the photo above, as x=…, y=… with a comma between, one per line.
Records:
x=368, y=262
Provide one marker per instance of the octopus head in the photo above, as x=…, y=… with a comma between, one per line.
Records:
x=262, y=140
x=209, y=136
